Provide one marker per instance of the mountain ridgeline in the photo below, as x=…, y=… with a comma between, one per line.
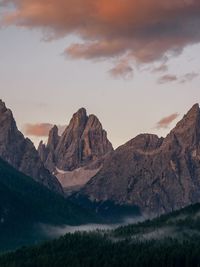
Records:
x=21, y=153
x=148, y=174
x=158, y=175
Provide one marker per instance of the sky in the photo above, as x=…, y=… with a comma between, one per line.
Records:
x=133, y=64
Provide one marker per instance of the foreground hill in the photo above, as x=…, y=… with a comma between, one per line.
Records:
x=24, y=204
x=150, y=243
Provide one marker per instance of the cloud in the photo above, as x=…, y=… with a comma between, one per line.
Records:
x=189, y=77
x=167, y=78
x=122, y=70
x=146, y=29
x=40, y=129
x=166, y=121
x=161, y=68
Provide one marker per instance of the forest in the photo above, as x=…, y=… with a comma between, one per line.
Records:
x=172, y=240
x=92, y=249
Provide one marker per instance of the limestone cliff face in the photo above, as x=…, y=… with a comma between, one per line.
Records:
x=83, y=145
x=156, y=174
x=83, y=142
x=21, y=153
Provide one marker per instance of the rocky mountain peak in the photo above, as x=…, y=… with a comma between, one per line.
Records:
x=2, y=106
x=6, y=113
x=194, y=110
x=79, y=118
x=187, y=130
x=20, y=151
x=8, y=129
x=82, y=142
x=191, y=118
x=80, y=114
x=93, y=122
x=54, y=130
x=53, y=137
x=42, y=151
x=74, y=130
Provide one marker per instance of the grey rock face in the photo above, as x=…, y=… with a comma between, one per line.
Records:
x=46, y=152
x=83, y=142
x=21, y=153
x=158, y=175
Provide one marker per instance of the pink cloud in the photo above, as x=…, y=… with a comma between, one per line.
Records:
x=40, y=129
x=166, y=121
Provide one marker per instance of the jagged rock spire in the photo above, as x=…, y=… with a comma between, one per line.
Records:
x=83, y=141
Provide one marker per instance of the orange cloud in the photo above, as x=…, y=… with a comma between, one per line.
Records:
x=40, y=129
x=146, y=29
x=166, y=121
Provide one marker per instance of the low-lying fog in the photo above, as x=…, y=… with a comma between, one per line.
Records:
x=57, y=231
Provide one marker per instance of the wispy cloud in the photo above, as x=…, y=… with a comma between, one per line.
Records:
x=166, y=121
x=189, y=77
x=167, y=78
x=122, y=69
x=161, y=68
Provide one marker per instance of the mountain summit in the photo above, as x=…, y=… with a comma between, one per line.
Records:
x=156, y=174
x=21, y=153
x=77, y=155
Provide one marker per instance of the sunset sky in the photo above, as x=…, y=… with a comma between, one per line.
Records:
x=135, y=64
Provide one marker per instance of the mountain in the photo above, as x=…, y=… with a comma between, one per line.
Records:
x=21, y=153
x=158, y=175
x=26, y=204
x=172, y=240
x=78, y=154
